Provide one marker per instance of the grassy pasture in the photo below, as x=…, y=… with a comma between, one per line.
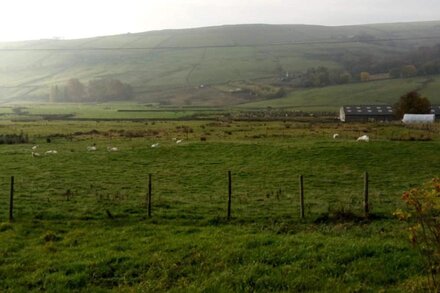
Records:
x=332, y=97
x=115, y=111
x=64, y=238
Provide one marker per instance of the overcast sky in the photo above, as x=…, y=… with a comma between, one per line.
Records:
x=35, y=19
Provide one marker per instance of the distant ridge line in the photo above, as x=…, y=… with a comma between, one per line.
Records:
x=218, y=46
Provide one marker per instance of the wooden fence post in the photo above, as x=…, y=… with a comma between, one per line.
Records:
x=229, y=194
x=366, y=204
x=11, y=201
x=301, y=196
x=149, y=195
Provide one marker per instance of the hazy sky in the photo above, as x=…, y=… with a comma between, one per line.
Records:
x=35, y=19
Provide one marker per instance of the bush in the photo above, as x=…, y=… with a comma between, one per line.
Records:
x=422, y=212
x=14, y=138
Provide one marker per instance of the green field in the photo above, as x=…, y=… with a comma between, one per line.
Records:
x=81, y=220
x=104, y=111
x=373, y=92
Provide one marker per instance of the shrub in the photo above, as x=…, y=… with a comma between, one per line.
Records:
x=422, y=212
x=14, y=138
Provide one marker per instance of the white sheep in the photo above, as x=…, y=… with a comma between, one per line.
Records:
x=335, y=136
x=34, y=147
x=51, y=152
x=363, y=138
x=179, y=141
x=155, y=145
x=91, y=148
x=112, y=149
x=34, y=154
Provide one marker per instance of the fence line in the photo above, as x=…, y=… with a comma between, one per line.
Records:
x=11, y=201
x=301, y=196
x=245, y=200
x=149, y=194
x=366, y=203
x=229, y=194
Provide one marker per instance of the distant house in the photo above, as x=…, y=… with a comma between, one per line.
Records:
x=364, y=113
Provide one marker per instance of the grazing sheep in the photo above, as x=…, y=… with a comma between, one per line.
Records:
x=112, y=149
x=34, y=154
x=335, y=136
x=91, y=148
x=363, y=138
x=179, y=141
x=155, y=145
x=34, y=147
x=51, y=152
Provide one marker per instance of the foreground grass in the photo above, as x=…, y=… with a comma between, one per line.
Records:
x=159, y=256
x=80, y=218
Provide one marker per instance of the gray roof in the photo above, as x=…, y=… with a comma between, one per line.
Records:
x=376, y=110
x=435, y=109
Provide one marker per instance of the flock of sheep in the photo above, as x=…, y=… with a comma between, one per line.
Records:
x=93, y=148
x=49, y=152
x=364, y=138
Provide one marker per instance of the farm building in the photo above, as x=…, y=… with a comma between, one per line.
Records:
x=363, y=113
x=435, y=109
x=418, y=118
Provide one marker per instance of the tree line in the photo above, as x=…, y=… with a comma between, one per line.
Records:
x=362, y=66
x=97, y=90
x=419, y=62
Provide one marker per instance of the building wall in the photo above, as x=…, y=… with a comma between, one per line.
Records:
x=342, y=114
x=367, y=118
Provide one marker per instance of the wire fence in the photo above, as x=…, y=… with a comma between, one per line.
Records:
x=254, y=196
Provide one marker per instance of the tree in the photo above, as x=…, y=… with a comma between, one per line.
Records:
x=54, y=94
x=344, y=77
x=412, y=103
x=109, y=90
x=75, y=90
x=409, y=70
x=365, y=76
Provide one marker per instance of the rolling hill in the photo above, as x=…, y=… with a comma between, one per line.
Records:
x=332, y=97
x=200, y=66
